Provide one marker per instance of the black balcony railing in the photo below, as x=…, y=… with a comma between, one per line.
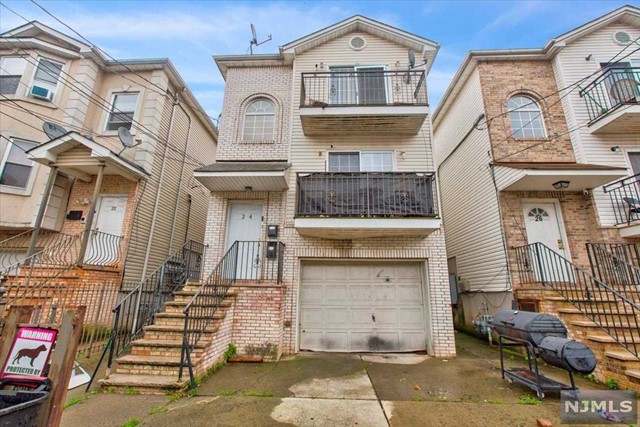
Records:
x=613, y=88
x=367, y=194
x=625, y=199
x=350, y=88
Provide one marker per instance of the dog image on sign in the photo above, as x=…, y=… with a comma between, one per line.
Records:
x=30, y=352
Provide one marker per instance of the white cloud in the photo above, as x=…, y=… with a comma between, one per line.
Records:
x=438, y=81
x=518, y=12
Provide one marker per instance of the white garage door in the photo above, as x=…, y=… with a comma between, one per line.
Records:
x=362, y=306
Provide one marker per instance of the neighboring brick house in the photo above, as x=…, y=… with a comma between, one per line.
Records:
x=146, y=205
x=325, y=148
x=522, y=167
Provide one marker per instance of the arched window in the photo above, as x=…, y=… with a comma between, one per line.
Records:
x=526, y=118
x=259, y=120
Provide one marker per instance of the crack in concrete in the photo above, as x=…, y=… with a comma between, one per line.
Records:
x=386, y=417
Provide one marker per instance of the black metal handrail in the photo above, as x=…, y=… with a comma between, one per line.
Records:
x=14, y=249
x=613, y=88
x=625, y=199
x=609, y=309
x=366, y=194
x=138, y=307
x=245, y=260
x=363, y=88
x=617, y=265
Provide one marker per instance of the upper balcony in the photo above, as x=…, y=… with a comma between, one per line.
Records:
x=613, y=101
x=364, y=100
x=351, y=205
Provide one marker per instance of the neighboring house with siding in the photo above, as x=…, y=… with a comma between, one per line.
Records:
x=523, y=153
x=323, y=212
x=147, y=204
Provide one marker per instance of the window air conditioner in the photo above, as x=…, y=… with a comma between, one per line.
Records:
x=41, y=92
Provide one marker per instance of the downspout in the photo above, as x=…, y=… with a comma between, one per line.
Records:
x=184, y=156
x=160, y=187
x=186, y=229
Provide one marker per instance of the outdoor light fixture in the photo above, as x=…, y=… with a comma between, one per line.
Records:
x=561, y=185
x=248, y=188
x=616, y=149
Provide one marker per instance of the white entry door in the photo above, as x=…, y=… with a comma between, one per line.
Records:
x=245, y=227
x=542, y=223
x=104, y=248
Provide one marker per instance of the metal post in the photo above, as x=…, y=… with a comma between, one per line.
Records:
x=539, y=260
x=41, y=210
x=90, y=214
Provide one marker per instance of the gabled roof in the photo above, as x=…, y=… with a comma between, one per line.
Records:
x=423, y=47
x=70, y=47
x=626, y=14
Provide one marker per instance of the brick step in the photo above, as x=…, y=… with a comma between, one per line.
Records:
x=179, y=306
x=590, y=324
x=630, y=360
x=628, y=339
x=633, y=373
x=179, y=297
x=592, y=300
x=177, y=319
x=150, y=365
x=605, y=315
x=165, y=348
x=144, y=384
x=152, y=332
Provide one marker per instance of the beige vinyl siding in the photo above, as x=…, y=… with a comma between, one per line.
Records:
x=309, y=153
x=469, y=206
x=175, y=186
x=570, y=66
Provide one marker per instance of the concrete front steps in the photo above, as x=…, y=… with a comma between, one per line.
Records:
x=614, y=360
x=153, y=364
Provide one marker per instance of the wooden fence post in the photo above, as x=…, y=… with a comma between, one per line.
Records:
x=62, y=364
x=17, y=314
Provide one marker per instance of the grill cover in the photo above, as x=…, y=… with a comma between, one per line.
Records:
x=527, y=325
x=567, y=354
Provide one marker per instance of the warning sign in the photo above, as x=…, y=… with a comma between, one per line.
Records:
x=30, y=352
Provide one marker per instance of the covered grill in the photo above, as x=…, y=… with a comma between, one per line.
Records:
x=543, y=336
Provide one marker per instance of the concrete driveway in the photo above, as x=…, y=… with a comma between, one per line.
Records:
x=321, y=389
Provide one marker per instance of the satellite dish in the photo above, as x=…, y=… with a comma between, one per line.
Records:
x=53, y=130
x=253, y=32
x=412, y=58
x=254, y=40
x=126, y=139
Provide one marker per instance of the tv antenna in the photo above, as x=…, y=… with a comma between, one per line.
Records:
x=126, y=139
x=254, y=39
x=53, y=130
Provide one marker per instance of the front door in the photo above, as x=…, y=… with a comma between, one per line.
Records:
x=542, y=223
x=245, y=227
x=104, y=246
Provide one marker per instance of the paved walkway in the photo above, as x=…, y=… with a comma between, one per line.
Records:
x=320, y=389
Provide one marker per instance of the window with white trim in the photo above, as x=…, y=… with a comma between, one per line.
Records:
x=11, y=70
x=259, y=121
x=526, y=118
x=16, y=166
x=47, y=74
x=361, y=161
x=123, y=108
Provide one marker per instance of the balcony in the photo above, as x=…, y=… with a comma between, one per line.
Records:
x=625, y=202
x=363, y=101
x=613, y=101
x=353, y=205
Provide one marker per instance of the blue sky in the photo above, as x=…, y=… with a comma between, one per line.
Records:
x=189, y=33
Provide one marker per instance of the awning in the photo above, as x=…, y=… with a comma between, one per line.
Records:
x=81, y=157
x=244, y=176
x=516, y=176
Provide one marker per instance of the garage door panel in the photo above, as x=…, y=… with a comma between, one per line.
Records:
x=362, y=306
x=337, y=317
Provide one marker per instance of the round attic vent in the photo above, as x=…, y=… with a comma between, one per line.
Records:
x=357, y=43
x=622, y=37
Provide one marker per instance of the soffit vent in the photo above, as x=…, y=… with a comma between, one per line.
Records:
x=357, y=43
x=622, y=37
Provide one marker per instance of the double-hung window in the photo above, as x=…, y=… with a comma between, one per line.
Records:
x=16, y=166
x=361, y=161
x=11, y=70
x=47, y=75
x=123, y=109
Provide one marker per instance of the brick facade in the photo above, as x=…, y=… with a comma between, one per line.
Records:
x=535, y=79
